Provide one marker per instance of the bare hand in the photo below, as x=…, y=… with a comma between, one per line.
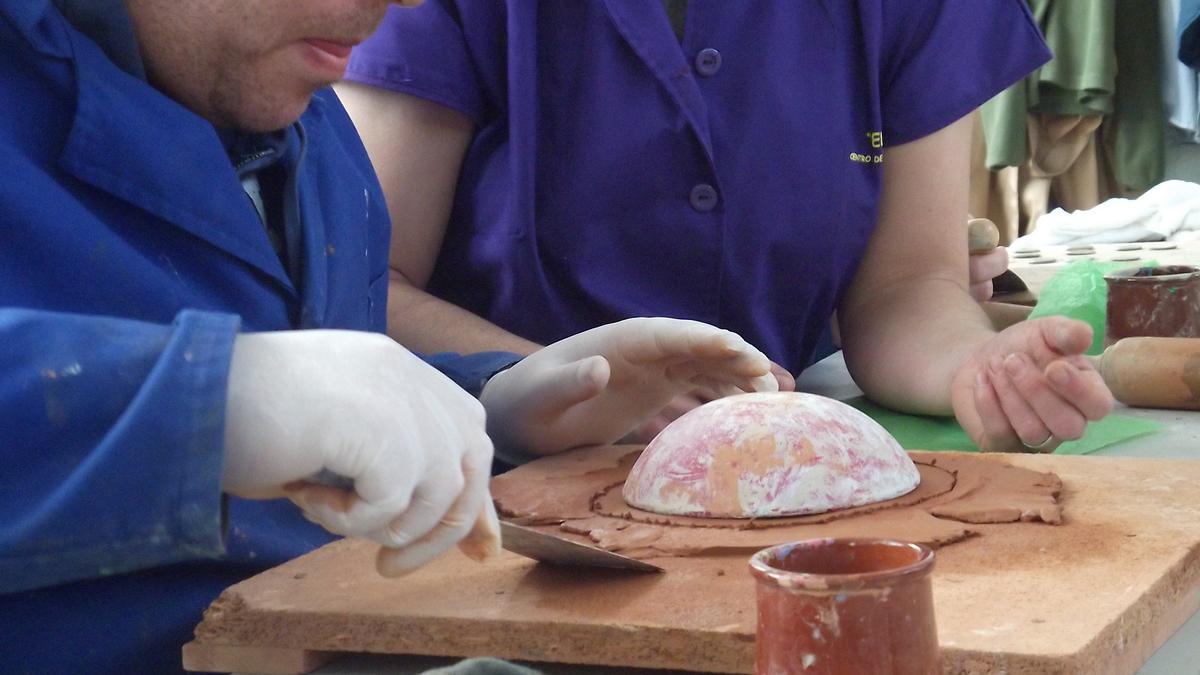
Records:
x=1030, y=387
x=983, y=268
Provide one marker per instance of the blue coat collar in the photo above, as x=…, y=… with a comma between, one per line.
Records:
x=107, y=22
x=135, y=143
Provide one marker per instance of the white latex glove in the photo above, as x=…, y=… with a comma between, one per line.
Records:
x=594, y=387
x=362, y=407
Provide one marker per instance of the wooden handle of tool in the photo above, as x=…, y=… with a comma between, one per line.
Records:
x=982, y=235
x=1153, y=372
x=481, y=544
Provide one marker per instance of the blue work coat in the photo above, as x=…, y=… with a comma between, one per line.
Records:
x=130, y=257
x=732, y=179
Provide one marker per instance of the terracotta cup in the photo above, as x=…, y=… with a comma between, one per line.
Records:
x=845, y=606
x=1154, y=302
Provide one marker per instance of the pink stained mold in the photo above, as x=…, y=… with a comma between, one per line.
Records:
x=767, y=455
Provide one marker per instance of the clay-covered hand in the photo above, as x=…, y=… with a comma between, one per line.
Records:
x=646, y=431
x=362, y=407
x=1030, y=387
x=594, y=387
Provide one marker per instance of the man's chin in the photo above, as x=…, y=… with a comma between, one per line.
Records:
x=265, y=117
x=263, y=111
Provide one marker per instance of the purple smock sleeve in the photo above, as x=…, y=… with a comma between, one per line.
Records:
x=947, y=58
x=421, y=51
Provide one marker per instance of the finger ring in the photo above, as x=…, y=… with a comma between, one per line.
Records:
x=1039, y=446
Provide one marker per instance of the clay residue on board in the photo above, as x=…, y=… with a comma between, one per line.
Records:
x=645, y=541
x=956, y=489
x=991, y=491
x=580, y=462
x=556, y=488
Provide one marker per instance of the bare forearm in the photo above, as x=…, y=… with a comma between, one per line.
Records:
x=908, y=321
x=916, y=341
x=416, y=147
x=905, y=344
x=428, y=324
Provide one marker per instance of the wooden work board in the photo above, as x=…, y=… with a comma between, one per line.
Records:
x=1097, y=594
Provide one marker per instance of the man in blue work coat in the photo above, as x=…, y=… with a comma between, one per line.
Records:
x=176, y=201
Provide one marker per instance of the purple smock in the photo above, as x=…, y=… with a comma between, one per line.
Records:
x=733, y=178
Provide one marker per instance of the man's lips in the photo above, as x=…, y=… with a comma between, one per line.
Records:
x=338, y=50
x=328, y=58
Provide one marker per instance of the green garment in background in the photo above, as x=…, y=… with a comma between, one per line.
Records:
x=1134, y=131
x=1105, y=63
x=677, y=13
x=1079, y=80
x=1004, y=128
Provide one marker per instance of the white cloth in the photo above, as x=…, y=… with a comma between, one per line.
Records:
x=1169, y=210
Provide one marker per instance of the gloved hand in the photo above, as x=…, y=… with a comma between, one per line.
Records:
x=646, y=431
x=360, y=406
x=594, y=387
x=1030, y=387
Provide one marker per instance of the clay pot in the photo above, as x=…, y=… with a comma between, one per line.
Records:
x=845, y=606
x=1154, y=302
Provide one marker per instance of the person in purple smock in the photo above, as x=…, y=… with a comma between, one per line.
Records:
x=759, y=165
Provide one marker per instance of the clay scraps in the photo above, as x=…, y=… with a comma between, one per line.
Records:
x=578, y=495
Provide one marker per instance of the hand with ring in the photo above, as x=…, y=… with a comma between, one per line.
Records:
x=1038, y=447
x=1030, y=387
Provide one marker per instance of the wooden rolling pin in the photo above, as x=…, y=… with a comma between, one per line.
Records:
x=1153, y=372
x=1145, y=372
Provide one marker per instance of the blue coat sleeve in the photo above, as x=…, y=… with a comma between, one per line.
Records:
x=112, y=443
x=471, y=371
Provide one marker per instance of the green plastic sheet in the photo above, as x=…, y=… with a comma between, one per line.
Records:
x=1078, y=291
x=916, y=432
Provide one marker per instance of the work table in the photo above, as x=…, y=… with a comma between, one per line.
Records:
x=1179, y=439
